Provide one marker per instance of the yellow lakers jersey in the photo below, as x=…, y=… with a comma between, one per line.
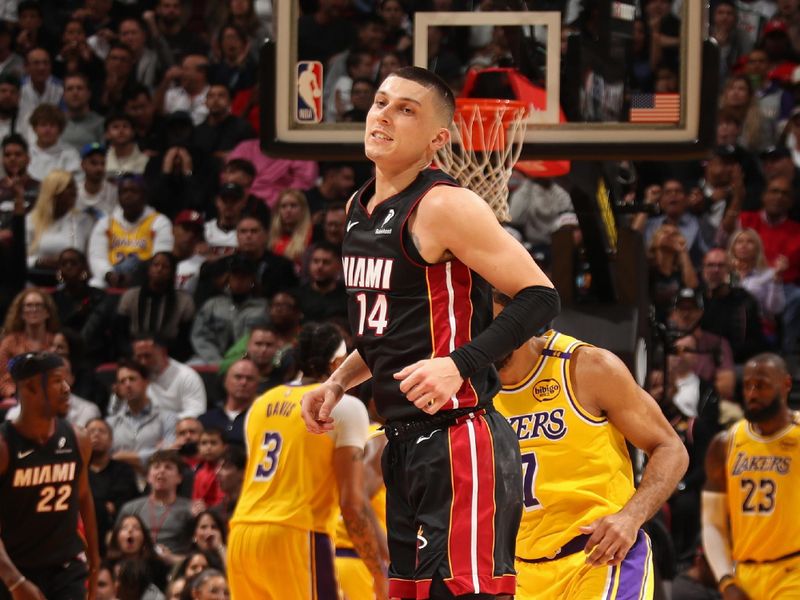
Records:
x=763, y=491
x=289, y=476
x=122, y=243
x=378, y=503
x=575, y=466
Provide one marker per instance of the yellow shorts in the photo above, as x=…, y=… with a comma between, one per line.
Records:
x=355, y=580
x=779, y=580
x=266, y=561
x=570, y=578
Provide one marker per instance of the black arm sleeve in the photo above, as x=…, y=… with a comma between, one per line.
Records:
x=531, y=309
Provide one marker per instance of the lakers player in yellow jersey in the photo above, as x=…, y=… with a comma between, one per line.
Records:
x=751, y=530
x=355, y=580
x=295, y=484
x=572, y=407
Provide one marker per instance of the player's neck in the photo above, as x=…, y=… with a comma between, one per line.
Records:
x=390, y=180
x=521, y=362
x=774, y=425
x=36, y=428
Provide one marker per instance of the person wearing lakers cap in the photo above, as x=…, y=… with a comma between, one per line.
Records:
x=573, y=406
x=751, y=532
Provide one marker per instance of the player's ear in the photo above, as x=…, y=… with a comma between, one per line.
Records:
x=440, y=139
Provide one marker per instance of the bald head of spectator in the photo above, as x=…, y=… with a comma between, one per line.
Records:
x=777, y=198
x=241, y=385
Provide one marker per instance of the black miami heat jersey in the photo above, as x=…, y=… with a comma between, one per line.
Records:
x=402, y=309
x=39, y=498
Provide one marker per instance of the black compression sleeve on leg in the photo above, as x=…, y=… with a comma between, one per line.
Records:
x=532, y=308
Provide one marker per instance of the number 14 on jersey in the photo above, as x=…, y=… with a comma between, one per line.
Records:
x=375, y=317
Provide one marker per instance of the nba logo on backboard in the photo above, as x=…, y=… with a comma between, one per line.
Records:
x=309, y=91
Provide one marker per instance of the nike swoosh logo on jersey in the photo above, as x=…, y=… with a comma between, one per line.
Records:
x=352, y=224
x=24, y=454
x=424, y=438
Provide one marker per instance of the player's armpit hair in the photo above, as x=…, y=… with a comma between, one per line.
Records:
x=531, y=309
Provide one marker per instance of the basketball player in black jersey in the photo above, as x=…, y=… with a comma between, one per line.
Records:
x=44, y=487
x=418, y=253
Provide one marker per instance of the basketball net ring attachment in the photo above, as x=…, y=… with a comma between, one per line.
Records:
x=486, y=140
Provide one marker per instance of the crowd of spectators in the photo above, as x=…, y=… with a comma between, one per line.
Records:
x=147, y=239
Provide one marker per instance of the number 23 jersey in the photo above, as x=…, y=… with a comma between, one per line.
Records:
x=402, y=309
x=575, y=466
x=763, y=481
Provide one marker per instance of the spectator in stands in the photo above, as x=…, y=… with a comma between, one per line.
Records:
x=274, y=175
x=188, y=232
x=170, y=38
x=132, y=581
x=324, y=294
x=723, y=178
x=174, y=387
x=362, y=95
x=336, y=185
x=74, y=298
x=124, y=155
x=133, y=33
x=777, y=162
x=262, y=348
x=236, y=67
x=105, y=580
x=187, y=441
x=538, y=208
x=48, y=152
x=324, y=33
x=184, y=88
x=333, y=224
x=220, y=233
x=55, y=224
x=670, y=268
x=76, y=55
x=209, y=528
x=730, y=312
x=12, y=238
x=358, y=65
x=751, y=272
x=30, y=326
x=673, y=207
x=230, y=477
x=131, y=234
x=273, y=272
x=139, y=428
x=206, y=492
x=97, y=197
x=195, y=564
x=739, y=98
x=210, y=584
x=221, y=131
x=11, y=63
x=242, y=172
x=156, y=306
x=32, y=33
x=242, y=13
x=174, y=589
x=147, y=125
x=15, y=165
x=664, y=29
x=241, y=388
x=131, y=538
x=290, y=230
x=9, y=105
x=113, y=483
x=225, y=318
x=170, y=515
x=792, y=135
x=84, y=126
x=39, y=87
x=728, y=37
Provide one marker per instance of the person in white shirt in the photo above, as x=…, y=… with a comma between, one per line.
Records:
x=47, y=151
x=190, y=94
x=96, y=196
x=123, y=156
x=173, y=386
x=54, y=224
x=188, y=233
x=39, y=87
x=221, y=232
x=131, y=234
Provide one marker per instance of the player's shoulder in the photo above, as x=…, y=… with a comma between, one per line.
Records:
x=350, y=407
x=592, y=361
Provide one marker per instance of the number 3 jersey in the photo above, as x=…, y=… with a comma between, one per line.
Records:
x=289, y=478
x=39, y=498
x=402, y=309
x=575, y=466
x=763, y=482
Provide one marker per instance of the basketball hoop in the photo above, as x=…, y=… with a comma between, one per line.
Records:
x=485, y=142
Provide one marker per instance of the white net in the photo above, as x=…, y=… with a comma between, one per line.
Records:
x=483, y=148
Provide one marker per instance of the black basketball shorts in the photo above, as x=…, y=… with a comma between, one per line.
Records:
x=453, y=508
x=58, y=582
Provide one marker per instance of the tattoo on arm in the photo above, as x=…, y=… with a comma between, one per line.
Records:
x=363, y=528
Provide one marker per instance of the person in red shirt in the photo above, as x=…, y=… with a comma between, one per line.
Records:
x=206, y=488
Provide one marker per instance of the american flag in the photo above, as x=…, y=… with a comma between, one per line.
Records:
x=655, y=108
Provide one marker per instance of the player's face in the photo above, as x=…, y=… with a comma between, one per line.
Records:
x=58, y=391
x=402, y=124
x=130, y=536
x=764, y=391
x=214, y=588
